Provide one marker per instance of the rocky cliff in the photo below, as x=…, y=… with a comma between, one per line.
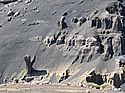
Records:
x=75, y=41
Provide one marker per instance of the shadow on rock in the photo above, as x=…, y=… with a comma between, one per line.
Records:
x=38, y=72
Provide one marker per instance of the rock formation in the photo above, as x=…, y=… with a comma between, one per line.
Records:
x=7, y=1
x=109, y=42
x=29, y=64
x=79, y=20
x=62, y=24
x=96, y=23
x=83, y=46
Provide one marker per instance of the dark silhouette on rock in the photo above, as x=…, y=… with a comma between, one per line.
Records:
x=62, y=24
x=29, y=64
x=7, y=1
x=95, y=78
x=30, y=71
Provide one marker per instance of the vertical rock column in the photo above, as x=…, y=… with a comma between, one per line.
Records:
x=108, y=49
x=29, y=64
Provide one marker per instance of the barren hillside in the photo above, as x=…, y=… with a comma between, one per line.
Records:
x=74, y=41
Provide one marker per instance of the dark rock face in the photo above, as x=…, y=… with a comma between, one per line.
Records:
x=74, y=20
x=116, y=7
x=79, y=20
x=112, y=7
x=107, y=23
x=109, y=48
x=95, y=78
x=60, y=40
x=96, y=23
x=62, y=24
x=7, y=1
x=10, y=13
x=29, y=64
x=118, y=26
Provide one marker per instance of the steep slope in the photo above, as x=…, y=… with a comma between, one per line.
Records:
x=78, y=36
x=15, y=34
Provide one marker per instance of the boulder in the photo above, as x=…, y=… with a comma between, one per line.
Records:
x=62, y=24
x=52, y=40
x=60, y=40
x=65, y=13
x=28, y=79
x=10, y=13
x=81, y=20
x=28, y=1
x=74, y=20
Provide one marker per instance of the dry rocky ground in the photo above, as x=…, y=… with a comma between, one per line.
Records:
x=72, y=42
x=21, y=88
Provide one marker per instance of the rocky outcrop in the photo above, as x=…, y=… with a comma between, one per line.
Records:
x=92, y=49
x=60, y=40
x=70, y=41
x=10, y=13
x=61, y=23
x=95, y=78
x=108, y=49
x=115, y=78
x=7, y=1
x=116, y=7
x=77, y=44
x=107, y=23
x=108, y=43
x=74, y=20
x=79, y=21
x=117, y=45
x=118, y=24
x=96, y=22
